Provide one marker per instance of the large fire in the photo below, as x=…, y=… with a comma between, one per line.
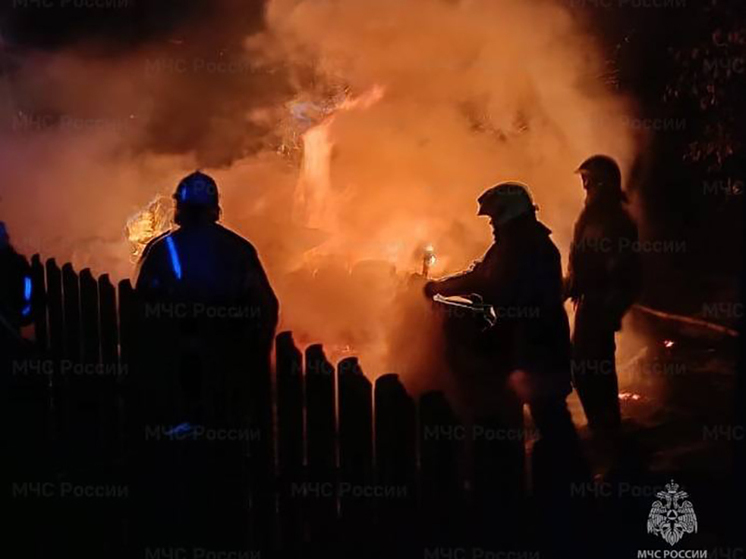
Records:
x=401, y=113
x=315, y=202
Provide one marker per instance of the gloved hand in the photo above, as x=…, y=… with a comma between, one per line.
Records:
x=431, y=289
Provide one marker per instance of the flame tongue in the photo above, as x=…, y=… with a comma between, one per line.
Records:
x=312, y=204
x=315, y=203
x=147, y=224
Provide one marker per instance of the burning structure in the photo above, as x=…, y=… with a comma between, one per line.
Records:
x=392, y=117
x=350, y=141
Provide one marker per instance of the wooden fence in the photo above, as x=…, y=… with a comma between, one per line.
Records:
x=352, y=468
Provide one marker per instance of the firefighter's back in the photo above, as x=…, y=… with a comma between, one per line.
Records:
x=203, y=364
x=201, y=263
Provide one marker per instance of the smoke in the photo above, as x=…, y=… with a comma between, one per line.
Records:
x=469, y=93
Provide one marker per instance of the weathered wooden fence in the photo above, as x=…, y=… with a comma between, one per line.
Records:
x=355, y=468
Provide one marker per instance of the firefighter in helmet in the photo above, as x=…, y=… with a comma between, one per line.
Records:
x=603, y=281
x=528, y=359
x=521, y=277
x=206, y=335
x=203, y=262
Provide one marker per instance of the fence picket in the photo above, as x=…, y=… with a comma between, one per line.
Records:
x=71, y=308
x=109, y=322
x=290, y=440
x=395, y=447
x=355, y=453
x=441, y=437
x=39, y=303
x=54, y=305
x=320, y=490
x=359, y=466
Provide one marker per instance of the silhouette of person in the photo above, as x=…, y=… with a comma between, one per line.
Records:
x=205, y=285
x=521, y=277
x=16, y=288
x=203, y=263
x=603, y=282
x=208, y=322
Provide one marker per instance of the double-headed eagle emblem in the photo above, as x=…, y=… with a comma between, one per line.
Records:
x=672, y=515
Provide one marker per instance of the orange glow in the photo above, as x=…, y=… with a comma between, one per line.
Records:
x=401, y=113
x=147, y=224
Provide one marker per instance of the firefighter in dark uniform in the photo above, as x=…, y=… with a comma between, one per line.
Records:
x=204, y=285
x=603, y=282
x=25, y=396
x=208, y=324
x=521, y=277
x=202, y=262
x=16, y=288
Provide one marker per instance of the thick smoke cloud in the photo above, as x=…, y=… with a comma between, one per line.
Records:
x=462, y=95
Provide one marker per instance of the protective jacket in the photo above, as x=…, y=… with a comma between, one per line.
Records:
x=521, y=276
x=213, y=270
x=15, y=289
x=605, y=268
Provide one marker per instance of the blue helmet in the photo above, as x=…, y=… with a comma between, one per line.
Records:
x=197, y=189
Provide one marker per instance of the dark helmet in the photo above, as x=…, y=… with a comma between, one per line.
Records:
x=604, y=172
x=506, y=201
x=198, y=190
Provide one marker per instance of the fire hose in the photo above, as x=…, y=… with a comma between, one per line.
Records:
x=481, y=310
x=487, y=314
x=719, y=328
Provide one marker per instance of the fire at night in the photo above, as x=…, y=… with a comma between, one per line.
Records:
x=440, y=279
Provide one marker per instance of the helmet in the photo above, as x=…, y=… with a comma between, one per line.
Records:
x=197, y=189
x=506, y=201
x=604, y=171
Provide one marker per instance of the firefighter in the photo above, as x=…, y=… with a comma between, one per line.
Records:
x=204, y=263
x=603, y=281
x=208, y=325
x=521, y=277
x=204, y=286
x=16, y=288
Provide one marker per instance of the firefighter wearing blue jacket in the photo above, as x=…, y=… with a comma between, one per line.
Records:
x=205, y=339
x=205, y=265
x=16, y=287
